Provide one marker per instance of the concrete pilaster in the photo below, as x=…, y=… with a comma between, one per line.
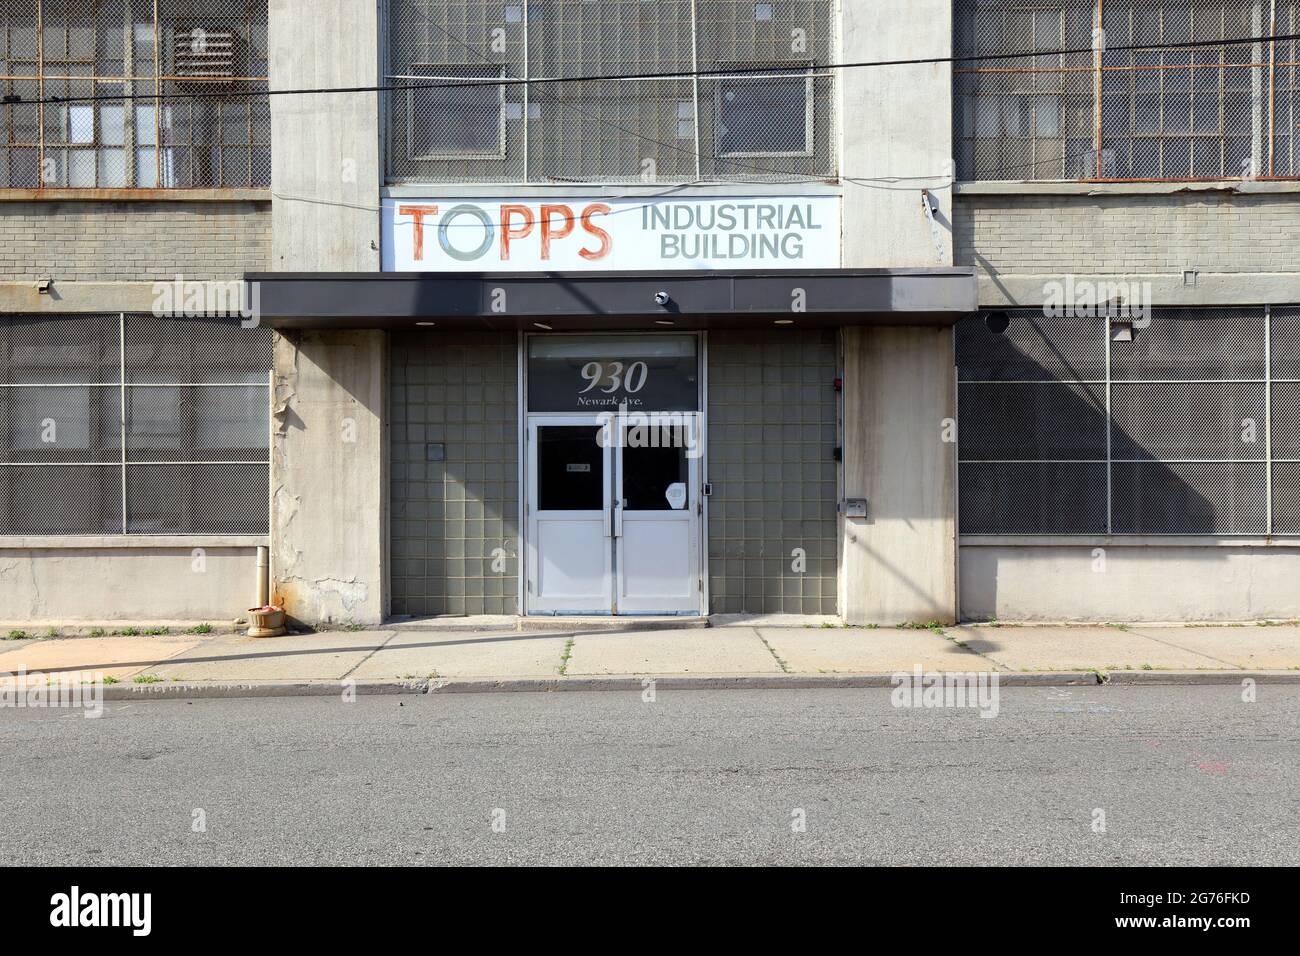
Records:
x=899, y=564
x=329, y=469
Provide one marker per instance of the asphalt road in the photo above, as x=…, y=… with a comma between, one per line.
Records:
x=1185, y=775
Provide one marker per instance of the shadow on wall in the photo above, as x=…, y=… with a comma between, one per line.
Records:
x=1040, y=455
x=1182, y=450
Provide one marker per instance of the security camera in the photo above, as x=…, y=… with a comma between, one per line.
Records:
x=662, y=298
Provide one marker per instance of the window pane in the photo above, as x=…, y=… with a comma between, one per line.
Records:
x=112, y=168
x=232, y=423
x=146, y=126
x=1047, y=116
x=80, y=124
x=81, y=168
x=143, y=34
x=570, y=469
x=146, y=168
x=763, y=115
x=649, y=473
x=112, y=125
x=153, y=421
x=460, y=118
x=62, y=423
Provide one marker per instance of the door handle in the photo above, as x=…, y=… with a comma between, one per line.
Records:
x=618, y=519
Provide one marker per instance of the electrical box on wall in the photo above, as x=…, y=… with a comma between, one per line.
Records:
x=854, y=507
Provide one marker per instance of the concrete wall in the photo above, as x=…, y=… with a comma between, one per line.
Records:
x=328, y=476
x=327, y=165
x=135, y=241
x=1222, y=581
x=109, y=582
x=896, y=124
x=899, y=564
x=329, y=448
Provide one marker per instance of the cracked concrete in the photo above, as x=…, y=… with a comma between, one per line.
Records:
x=116, y=581
x=512, y=658
x=328, y=477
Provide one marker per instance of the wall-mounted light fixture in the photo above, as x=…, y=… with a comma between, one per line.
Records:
x=997, y=322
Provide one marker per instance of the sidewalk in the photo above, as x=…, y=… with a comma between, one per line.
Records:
x=404, y=658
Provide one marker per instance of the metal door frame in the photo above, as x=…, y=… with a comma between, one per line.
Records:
x=702, y=365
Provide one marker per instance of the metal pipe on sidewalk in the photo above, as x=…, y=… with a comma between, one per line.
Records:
x=263, y=577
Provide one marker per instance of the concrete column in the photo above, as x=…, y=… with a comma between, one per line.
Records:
x=326, y=166
x=328, y=476
x=896, y=123
x=899, y=564
x=329, y=471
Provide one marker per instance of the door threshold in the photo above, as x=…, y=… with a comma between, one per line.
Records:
x=545, y=622
x=610, y=622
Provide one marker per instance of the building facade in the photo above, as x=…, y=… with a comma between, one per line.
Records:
x=591, y=308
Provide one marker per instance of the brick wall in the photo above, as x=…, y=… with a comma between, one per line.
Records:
x=1209, y=232
x=136, y=241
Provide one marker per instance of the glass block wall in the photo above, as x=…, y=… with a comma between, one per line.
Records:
x=454, y=460
x=771, y=120
x=771, y=441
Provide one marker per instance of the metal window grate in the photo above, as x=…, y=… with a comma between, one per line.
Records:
x=1209, y=112
x=133, y=424
x=160, y=54
x=723, y=127
x=1183, y=430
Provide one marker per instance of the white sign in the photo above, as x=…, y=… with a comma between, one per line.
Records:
x=676, y=495
x=599, y=234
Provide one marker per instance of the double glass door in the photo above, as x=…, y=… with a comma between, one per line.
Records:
x=613, y=514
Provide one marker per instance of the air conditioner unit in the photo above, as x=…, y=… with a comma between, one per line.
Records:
x=204, y=53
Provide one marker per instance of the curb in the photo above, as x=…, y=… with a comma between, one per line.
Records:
x=216, y=691
x=492, y=685
x=1219, y=678
x=763, y=682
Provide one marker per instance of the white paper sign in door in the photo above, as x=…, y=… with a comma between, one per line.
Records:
x=676, y=495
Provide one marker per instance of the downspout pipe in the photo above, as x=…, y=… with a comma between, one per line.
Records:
x=263, y=576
